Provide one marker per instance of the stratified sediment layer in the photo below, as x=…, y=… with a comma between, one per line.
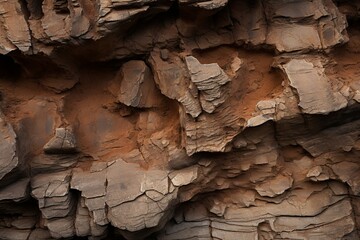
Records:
x=179, y=120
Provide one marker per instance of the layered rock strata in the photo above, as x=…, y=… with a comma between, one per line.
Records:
x=179, y=119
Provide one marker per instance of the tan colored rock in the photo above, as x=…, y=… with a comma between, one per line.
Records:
x=188, y=230
x=137, y=87
x=249, y=22
x=318, y=174
x=308, y=79
x=55, y=26
x=52, y=192
x=16, y=191
x=142, y=199
x=54, y=199
x=174, y=82
x=92, y=186
x=325, y=26
x=61, y=227
x=52, y=162
x=24, y=222
x=206, y=133
x=337, y=212
x=347, y=172
x=178, y=159
x=210, y=80
x=14, y=234
x=293, y=37
x=9, y=156
x=184, y=176
x=276, y=186
x=340, y=139
x=14, y=30
x=128, y=187
x=40, y=234
x=211, y=85
x=205, y=138
x=209, y=5
x=63, y=142
x=84, y=224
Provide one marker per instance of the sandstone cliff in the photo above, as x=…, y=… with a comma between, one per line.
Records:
x=179, y=119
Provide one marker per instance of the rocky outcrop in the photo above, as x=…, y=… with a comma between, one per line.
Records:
x=9, y=157
x=137, y=88
x=315, y=96
x=148, y=119
x=63, y=142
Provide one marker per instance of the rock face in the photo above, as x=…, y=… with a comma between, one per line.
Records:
x=312, y=87
x=63, y=142
x=9, y=159
x=179, y=119
x=137, y=88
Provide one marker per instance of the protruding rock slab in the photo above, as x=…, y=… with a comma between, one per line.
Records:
x=52, y=163
x=294, y=37
x=14, y=30
x=16, y=191
x=206, y=133
x=274, y=187
x=55, y=202
x=52, y=192
x=316, y=96
x=8, y=152
x=323, y=28
x=207, y=4
x=127, y=196
x=174, y=82
x=202, y=90
x=209, y=80
x=137, y=87
x=63, y=142
x=184, y=176
x=137, y=199
x=92, y=185
x=84, y=224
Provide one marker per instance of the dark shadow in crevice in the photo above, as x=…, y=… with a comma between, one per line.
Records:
x=9, y=68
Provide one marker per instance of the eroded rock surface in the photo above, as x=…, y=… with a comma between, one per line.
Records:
x=179, y=119
x=312, y=87
x=9, y=156
x=63, y=142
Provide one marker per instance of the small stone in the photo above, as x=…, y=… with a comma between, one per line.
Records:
x=266, y=104
x=184, y=176
x=240, y=143
x=356, y=96
x=276, y=186
x=63, y=142
x=314, y=172
x=236, y=65
x=164, y=54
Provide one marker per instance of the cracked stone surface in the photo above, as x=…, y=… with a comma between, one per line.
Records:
x=9, y=157
x=179, y=119
x=63, y=142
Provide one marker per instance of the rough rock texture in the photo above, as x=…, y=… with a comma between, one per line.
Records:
x=63, y=142
x=9, y=159
x=179, y=119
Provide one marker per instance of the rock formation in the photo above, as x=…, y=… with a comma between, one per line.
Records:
x=179, y=119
